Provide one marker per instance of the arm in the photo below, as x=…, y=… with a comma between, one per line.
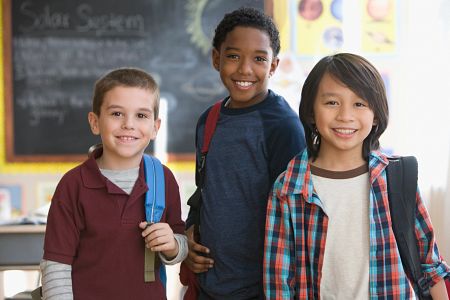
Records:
x=286, y=141
x=279, y=252
x=56, y=280
x=433, y=266
x=439, y=291
x=197, y=260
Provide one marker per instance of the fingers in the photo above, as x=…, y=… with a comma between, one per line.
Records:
x=196, y=267
x=190, y=233
x=197, y=260
x=158, y=237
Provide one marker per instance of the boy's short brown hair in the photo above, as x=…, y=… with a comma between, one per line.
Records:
x=126, y=77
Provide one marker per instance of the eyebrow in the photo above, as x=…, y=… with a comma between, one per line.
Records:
x=328, y=94
x=121, y=107
x=238, y=49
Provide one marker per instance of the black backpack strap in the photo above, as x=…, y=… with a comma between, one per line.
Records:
x=402, y=188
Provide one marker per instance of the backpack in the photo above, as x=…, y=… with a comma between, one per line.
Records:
x=402, y=188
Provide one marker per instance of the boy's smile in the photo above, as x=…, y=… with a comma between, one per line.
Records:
x=245, y=62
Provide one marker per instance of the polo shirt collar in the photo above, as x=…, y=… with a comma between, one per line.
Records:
x=92, y=177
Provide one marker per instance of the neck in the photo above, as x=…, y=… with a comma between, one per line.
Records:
x=108, y=163
x=343, y=161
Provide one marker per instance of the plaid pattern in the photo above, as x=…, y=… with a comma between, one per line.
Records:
x=296, y=230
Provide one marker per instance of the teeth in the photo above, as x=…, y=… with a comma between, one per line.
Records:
x=345, y=131
x=244, y=83
x=127, y=138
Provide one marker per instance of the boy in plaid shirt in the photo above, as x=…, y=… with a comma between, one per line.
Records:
x=328, y=230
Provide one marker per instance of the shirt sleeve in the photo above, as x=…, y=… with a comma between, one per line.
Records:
x=191, y=215
x=173, y=203
x=56, y=280
x=286, y=141
x=433, y=266
x=182, y=251
x=279, y=254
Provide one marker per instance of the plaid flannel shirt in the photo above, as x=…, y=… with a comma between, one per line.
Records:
x=296, y=229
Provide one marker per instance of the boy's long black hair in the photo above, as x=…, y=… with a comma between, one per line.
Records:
x=360, y=76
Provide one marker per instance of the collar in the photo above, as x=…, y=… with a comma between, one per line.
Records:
x=92, y=177
x=296, y=180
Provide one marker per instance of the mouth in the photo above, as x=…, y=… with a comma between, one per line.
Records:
x=244, y=84
x=345, y=132
x=126, y=138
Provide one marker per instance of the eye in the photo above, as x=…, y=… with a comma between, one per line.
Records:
x=116, y=114
x=331, y=102
x=261, y=59
x=233, y=56
x=361, y=104
x=142, y=116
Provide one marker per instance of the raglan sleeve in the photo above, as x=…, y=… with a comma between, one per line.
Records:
x=286, y=140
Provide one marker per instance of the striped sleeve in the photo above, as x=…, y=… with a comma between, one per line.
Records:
x=56, y=280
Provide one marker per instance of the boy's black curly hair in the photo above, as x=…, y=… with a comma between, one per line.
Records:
x=247, y=17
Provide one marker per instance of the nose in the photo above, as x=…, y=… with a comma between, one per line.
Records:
x=127, y=123
x=245, y=67
x=345, y=113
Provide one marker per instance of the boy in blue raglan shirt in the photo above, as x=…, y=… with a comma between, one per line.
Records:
x=256, y=135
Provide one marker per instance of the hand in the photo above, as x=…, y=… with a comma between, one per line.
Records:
x=159, y=237
x=197, y=263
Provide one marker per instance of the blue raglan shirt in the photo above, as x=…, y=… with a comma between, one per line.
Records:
x=249, y=149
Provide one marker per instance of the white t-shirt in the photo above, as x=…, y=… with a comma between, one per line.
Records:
x=345, y=198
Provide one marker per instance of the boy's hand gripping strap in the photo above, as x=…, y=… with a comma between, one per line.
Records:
x=155, y=203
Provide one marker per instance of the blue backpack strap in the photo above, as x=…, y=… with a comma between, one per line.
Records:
x=155, y=198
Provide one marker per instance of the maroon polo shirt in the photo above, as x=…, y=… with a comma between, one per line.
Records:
x=93, y=226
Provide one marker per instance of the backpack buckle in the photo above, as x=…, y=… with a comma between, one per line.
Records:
x=424, y=287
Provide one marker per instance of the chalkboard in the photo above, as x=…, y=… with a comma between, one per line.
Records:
x=54, y=50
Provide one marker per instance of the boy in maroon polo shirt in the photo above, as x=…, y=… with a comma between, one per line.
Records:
x=95, y=238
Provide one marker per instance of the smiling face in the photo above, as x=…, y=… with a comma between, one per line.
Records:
x=245, y=62
x=343, y=120
x=126, y=125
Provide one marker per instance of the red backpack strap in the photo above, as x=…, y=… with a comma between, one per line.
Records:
x=210, y=126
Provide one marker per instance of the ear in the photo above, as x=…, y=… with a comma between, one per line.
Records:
x=215, y=57
x=93, y=122
x=274, y=66
x=156, y=126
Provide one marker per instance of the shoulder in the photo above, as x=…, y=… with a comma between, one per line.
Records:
x=70, y=185
x=73, y=175
x=169, y=178
x=291, y=181
x=279, y=113
x=204, y=115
